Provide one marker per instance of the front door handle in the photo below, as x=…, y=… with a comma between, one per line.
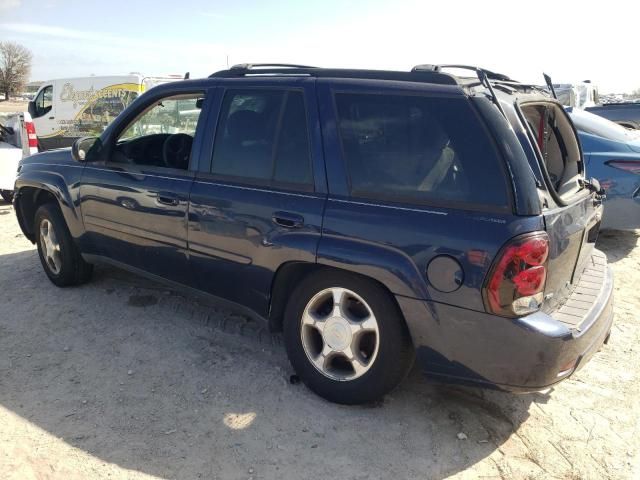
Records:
x=288, y=220
x=168, y=199
x=51, y=118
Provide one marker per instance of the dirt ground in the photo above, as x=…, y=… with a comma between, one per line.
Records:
x=124, y=379
x=12, y=106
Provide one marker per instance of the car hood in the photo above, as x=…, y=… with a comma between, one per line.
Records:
x=60, y=156
x=595, y=144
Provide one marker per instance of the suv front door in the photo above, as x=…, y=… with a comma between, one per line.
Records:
x=258, y=202
x=134, y=200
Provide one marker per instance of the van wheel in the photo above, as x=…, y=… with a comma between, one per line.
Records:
x=346, y=338
x=7, y=196
x=59, y=255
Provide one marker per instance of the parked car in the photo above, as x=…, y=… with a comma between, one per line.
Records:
x=373, y=216
x=626, y=114
x=612, y=155
x=17, y=140
x=69, y=108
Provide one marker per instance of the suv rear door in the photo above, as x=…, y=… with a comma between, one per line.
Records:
x=258, y=199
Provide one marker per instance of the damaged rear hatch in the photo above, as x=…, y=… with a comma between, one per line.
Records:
x=572, y=210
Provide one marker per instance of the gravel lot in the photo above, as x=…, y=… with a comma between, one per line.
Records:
x=12, y=106
x=123, y=378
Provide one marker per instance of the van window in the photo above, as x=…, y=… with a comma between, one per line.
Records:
x=44, y=101
x=418, y=149
x=262, y=138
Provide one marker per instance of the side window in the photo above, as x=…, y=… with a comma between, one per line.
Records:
x=44, y=101
x=418, y=149
x=262, y=138
x=162, y=135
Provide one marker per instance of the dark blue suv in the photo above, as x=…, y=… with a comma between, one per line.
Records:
x=373, y=216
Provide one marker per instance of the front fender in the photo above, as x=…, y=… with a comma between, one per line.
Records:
x=33, y=184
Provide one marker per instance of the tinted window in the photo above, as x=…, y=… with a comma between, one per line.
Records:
x=262, y=136
x=418, y=149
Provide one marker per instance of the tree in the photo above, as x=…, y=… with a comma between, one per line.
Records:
x=15, y=67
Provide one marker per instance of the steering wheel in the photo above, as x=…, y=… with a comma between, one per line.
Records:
x=176, y=150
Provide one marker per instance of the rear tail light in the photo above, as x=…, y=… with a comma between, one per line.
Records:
x=631, y=166
x=515, y=285
x=31, y=134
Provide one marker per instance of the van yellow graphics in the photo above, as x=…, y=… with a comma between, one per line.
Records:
x=66, y=109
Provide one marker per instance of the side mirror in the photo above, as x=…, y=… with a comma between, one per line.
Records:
x=85, y=149
x=32, y=109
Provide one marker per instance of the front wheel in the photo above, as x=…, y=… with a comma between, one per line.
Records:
x=346, y=338
x=58, y=253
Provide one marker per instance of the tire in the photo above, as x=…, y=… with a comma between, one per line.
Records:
x=65, y=266
x=383, y=355
x=7, y=196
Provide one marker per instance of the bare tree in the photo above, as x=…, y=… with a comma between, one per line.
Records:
x=15, y=67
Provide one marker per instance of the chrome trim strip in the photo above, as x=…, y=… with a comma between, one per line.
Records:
x=433, y=212
x=255, y=189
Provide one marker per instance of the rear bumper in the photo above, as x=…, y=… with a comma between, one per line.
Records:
x=526, y=354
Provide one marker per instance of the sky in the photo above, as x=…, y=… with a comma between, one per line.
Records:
x=570, y=40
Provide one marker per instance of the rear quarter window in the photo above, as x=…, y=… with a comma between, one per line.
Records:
x=416, y=149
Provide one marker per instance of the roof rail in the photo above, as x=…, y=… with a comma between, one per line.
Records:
x=254, y=66
x=438, y=68
x=243, y=69
x=260, y=69
x=483, y=75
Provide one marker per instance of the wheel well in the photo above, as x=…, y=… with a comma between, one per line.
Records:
x=28, y=202
x=291, y=274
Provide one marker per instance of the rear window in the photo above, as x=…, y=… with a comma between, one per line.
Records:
x=417, y=149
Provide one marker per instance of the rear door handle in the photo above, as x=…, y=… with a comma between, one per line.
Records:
x=51, y=118
x=168, y=199
x=288, y=220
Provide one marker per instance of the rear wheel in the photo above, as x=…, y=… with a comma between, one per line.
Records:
x=7, y=196
x=346, y=338
x=59, y=255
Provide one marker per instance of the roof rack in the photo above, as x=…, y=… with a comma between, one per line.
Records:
x=438, y=68
x=267, y=69
x=484, y=76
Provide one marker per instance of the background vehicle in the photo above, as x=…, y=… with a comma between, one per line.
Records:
x=626, y=114
x=17, y=140
x=370, y=215
x=612, y=154
x=66, y=109
x=580, y=95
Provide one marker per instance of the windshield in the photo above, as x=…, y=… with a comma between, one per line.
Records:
x=589, y=123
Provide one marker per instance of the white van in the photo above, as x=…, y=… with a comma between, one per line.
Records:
x=66, y=109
